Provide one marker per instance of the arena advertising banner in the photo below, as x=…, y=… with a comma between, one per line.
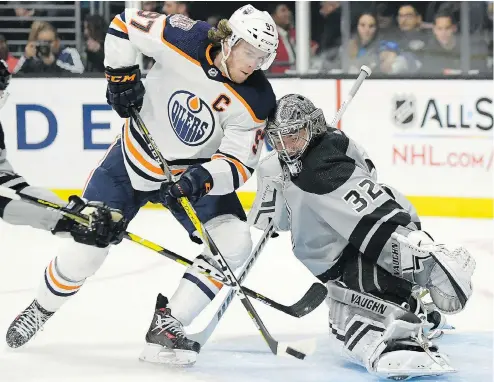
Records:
x=431, y=139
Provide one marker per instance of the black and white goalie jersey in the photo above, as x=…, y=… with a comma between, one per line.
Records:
x=334, y=205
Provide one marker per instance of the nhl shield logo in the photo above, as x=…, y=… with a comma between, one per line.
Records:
x=403, y=110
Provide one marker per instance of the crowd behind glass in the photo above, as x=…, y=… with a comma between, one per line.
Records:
x=422, y=38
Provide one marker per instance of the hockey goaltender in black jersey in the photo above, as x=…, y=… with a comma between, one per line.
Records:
x=364, y=240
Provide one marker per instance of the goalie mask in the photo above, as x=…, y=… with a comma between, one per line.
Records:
x=292, y=126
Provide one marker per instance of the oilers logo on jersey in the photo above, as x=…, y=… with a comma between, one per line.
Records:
x=191, y=118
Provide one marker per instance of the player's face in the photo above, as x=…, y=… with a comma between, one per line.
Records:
x=243, y=60
x=293, y=143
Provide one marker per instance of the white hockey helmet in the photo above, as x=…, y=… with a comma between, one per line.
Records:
x=258, y=29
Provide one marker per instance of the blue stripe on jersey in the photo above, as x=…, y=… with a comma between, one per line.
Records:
x=122, y=16
x=200, y=284
x=116, y=33
x=137, y=170
x=139, y=139
x=56, y=293
x=236, y=181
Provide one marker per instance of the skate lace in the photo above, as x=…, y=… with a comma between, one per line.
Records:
x=30, y=321
x=170, y=324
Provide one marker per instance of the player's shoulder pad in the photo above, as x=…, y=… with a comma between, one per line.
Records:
x=326, y=167
x=185, y=34
x=257, y=93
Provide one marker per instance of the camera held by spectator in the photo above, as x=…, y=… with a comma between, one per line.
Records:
x=43, y=49
x=44, y=54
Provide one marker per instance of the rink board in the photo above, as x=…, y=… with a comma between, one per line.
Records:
x=431, y=139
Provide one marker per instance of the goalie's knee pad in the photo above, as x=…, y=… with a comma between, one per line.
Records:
x=232, y=237
x=382, y=336
x=447, y=274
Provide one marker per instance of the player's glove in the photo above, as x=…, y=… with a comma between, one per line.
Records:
x=125, y=89
x=194, y=183
x=106, y=225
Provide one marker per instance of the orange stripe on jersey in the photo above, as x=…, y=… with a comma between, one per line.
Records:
x=137, y=155
x=173, y=47
x=216, y=283
x=54, y=281
x=119, y=23
x=247, y=106
x=240, y=167
x=208, y=54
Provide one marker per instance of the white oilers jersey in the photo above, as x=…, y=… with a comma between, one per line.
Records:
x=194, y=113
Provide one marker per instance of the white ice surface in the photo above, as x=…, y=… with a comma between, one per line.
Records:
x=97, y=336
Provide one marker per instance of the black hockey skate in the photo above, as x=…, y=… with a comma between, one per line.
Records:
x=26, y=325
x=165, y=340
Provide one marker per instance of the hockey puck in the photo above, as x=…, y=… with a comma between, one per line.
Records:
x=295, y=353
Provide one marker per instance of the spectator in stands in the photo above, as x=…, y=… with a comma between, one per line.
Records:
x=150, y=6
x=442, y=53
x=410, y=36
x=6, y=55
x=331, y=36
x=44, y=54
x=94, y=32
x=285, y=58
x=176, y=7
x=213, y=20
x=393, y=60
x=363, y=48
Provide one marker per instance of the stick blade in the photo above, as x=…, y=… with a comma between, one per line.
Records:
x=312, y=299
x=298, y=349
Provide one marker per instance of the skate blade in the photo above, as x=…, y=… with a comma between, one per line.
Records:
x=172, y=357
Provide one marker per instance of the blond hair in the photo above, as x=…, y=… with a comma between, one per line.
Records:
x=40, y=26
x=220, y=33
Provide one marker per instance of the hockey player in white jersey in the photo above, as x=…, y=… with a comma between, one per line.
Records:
x=363, y=239
x=205, y=103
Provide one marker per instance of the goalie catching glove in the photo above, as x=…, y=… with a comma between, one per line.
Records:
x=106, y=225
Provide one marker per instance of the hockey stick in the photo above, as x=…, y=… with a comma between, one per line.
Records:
x=311, y=300
x=276, y=347
x=317, y=291
x=205, y=333
x=365, y=72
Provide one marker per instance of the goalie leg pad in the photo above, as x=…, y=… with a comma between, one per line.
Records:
x=381, y=336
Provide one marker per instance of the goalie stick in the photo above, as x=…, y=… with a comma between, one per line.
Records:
x=276, y=347
x=310, y=301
